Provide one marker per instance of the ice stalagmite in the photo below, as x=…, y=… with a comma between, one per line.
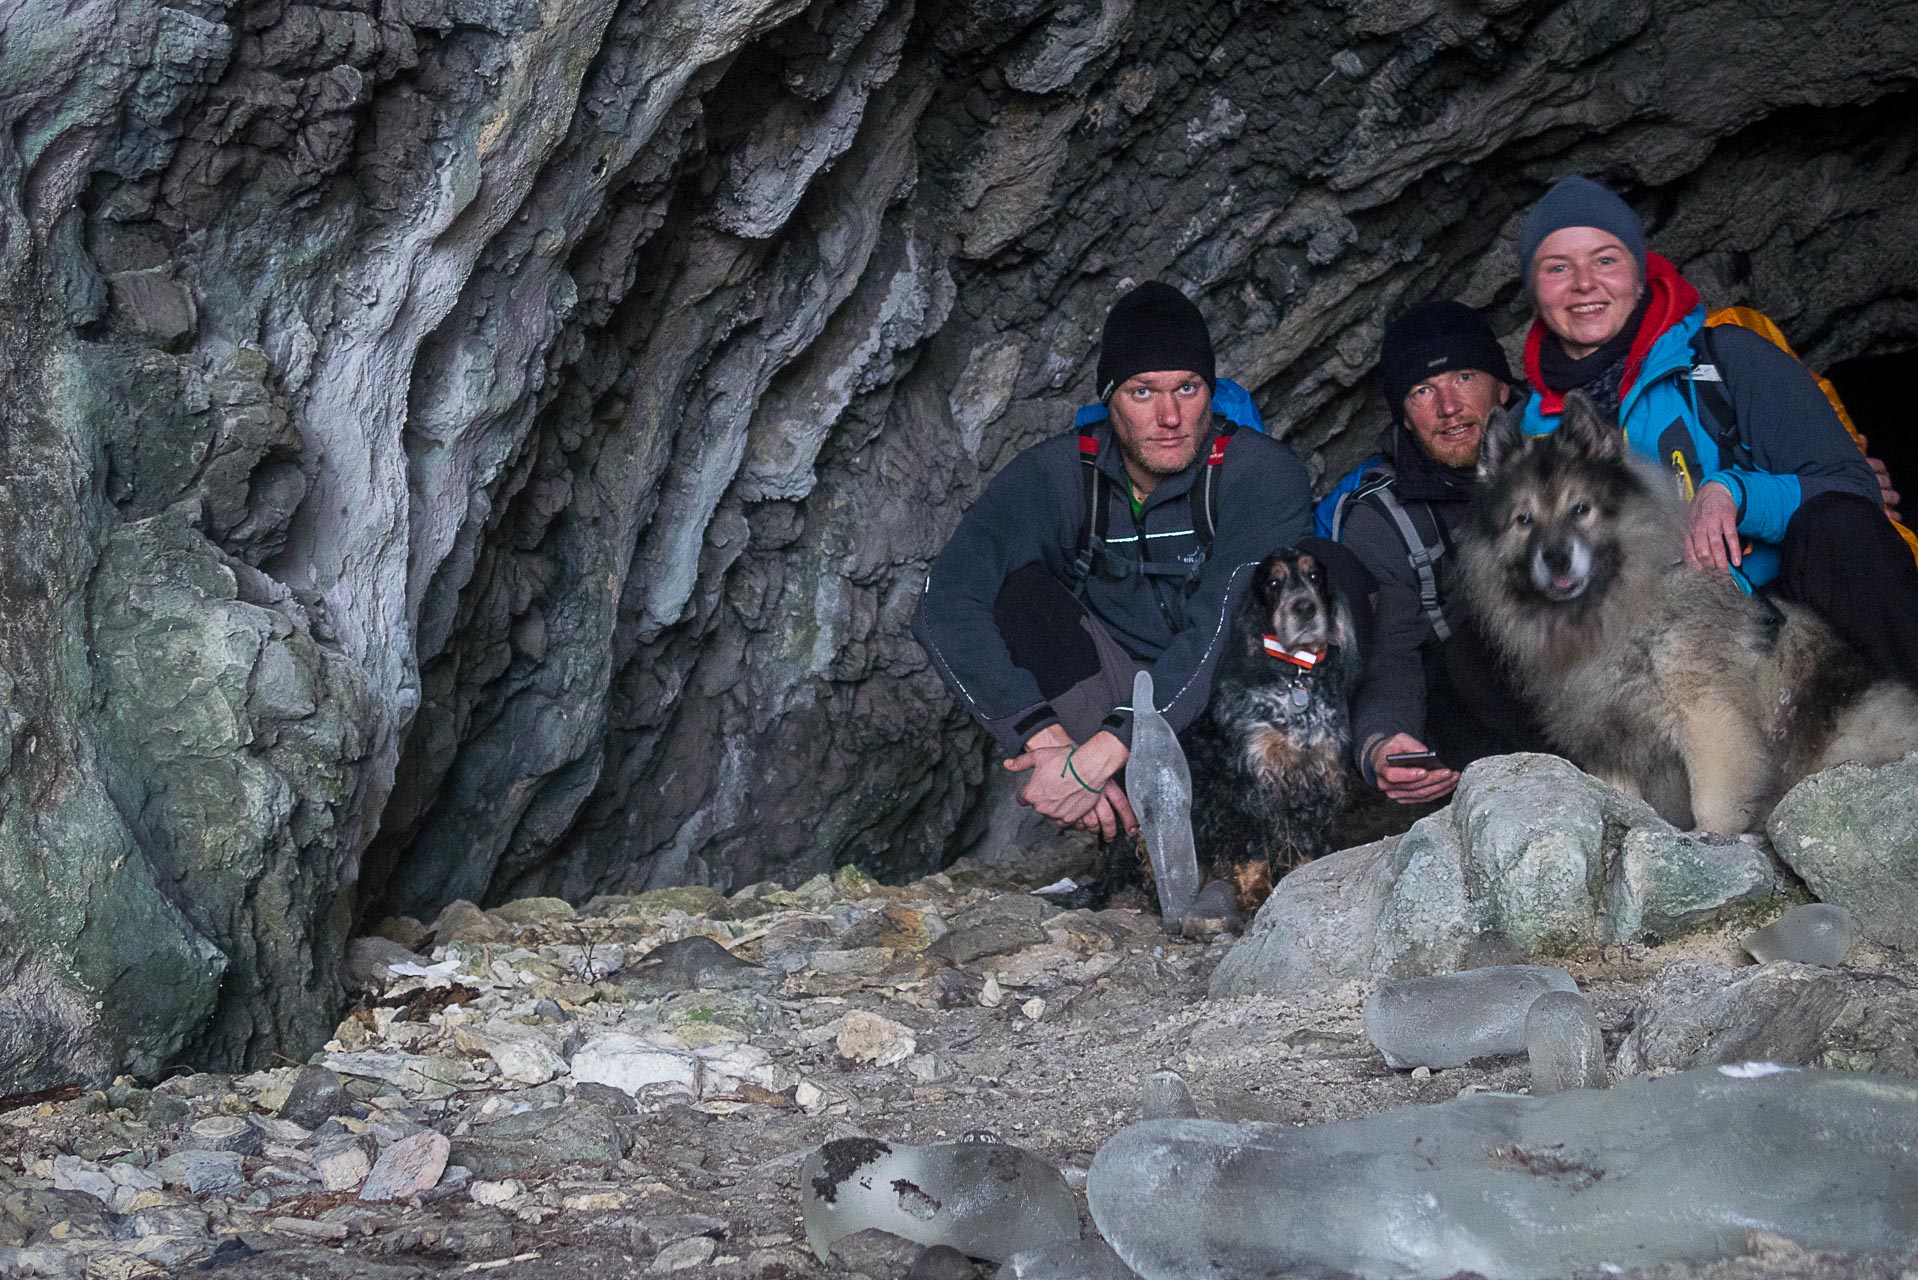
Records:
x=1816, y=934
x=1564, y=1044
x=984, y=1198
x=1159, y=785
x=1452, y=1018
x=1672, y=1169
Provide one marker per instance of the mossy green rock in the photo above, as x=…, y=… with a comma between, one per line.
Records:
x=1851, y=833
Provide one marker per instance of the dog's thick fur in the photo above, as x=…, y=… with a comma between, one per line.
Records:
x=1268, y=768
x=1657, y=677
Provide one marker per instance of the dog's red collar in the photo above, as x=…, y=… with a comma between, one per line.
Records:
x=1299, y=658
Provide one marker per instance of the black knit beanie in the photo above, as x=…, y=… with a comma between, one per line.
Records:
x=1434, y=338
x=1151, y=329
x=1579, y=202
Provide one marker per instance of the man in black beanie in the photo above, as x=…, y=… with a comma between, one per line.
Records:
x=1101, y=552
x=1430, y=688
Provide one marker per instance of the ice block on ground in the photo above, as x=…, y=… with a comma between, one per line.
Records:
x=1167, y=1098
x=984, y=1198
x=1566, y=1048
x=1672, y=1169
x=1158, y=782
x=1452, y=1018
x=1816, y=934
x=1082, y=1260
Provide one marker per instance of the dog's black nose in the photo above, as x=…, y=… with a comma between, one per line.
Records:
x=1304, y=609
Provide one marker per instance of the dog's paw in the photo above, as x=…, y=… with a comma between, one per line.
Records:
x=1214, y=914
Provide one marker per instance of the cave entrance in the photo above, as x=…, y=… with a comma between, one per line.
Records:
x=1878, y=392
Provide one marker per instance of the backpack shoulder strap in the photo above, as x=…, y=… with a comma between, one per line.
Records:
x=1712, y=394
x=1205, y=512
x=1097, y=518
x=1417, y=553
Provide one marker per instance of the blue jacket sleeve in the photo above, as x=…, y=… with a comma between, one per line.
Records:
x=1799, y=448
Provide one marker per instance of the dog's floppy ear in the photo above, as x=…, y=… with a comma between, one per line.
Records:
x=1502, y=441
x=1589, y=431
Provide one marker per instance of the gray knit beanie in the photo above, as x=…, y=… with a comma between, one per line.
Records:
x=1579, y=202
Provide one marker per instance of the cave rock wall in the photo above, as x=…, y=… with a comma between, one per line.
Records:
x=469, y=448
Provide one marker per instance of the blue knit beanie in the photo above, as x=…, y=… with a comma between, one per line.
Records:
x=1579, y=202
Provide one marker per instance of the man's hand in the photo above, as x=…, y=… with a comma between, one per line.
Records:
x=1886, y=493
x=1712, y=540
x=1094, y=800
x=1403, y=783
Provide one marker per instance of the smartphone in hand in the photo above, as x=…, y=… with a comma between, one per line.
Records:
x=1414, y=760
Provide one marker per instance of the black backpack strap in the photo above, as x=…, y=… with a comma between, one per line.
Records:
x=1205, y=512
x=1416, y=551
x=1092, y=531
x=1712, y=397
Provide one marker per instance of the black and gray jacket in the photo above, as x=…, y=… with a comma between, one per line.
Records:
x=1406, y=642
x=1033, y=512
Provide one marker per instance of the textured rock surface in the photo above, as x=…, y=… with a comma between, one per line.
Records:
x=1852, y=834
x=522, y=429
x=1531, y=859
x=1700, y=1013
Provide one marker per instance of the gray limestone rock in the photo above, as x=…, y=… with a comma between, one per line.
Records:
x=1697, y=1013
x=1851, y=833
x=584, y=1136
x=691, y=964
x=1531, y=859
x=1817, y=933
x=1679, y=1168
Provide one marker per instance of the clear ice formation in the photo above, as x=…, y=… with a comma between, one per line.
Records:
x=1158, y=782
x=1450, y=1019
x=983, y=1198
x=1167, y=1097
x=1082, y=1260
x=1566, y=1048
x=1816, y=934
x=1671, y=1169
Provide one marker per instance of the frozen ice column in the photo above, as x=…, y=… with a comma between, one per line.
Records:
x=1451, y=1018
x=1159, y=784
x=984, y=1198
x=1566, y=1048
x=1816, y=934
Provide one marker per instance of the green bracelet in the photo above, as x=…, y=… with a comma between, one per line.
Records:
x=1075, y=773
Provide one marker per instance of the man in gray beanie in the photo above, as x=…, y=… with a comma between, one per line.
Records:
x=1098, y=553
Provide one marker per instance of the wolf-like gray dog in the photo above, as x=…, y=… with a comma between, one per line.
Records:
x=1657, y=677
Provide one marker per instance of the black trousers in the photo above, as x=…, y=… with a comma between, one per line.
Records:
x=1842, y=559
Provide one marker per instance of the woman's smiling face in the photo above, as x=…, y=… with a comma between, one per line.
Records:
x=1585, y=285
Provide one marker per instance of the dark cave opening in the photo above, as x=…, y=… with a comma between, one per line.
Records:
x=1874, y=389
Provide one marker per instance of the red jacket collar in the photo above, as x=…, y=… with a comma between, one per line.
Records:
x=1672, y=299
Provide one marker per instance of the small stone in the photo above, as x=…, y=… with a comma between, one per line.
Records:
x=202, y=1172
x=405, y=930
x=1034, y=1008
x=408, y=1167
x=461, y=921
x=1348, y=64
x=926, y=1068
x=683, y=1255
x=1421, y=1073
x=308, y=1229
x=942, y=1262
x=991, y=994
x=521, y=1053
x=71, y=1173
x=535, y=911
x=873, y=1252
x=865, y=1037
x=496, y=1193
x=316, y=1096
x=809, y=1097
x=369, y=963
x=344, y=1163
x=634, y=1064
x=690, y=964
x=222, y=1133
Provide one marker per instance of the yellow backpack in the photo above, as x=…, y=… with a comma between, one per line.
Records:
x=1760, y=323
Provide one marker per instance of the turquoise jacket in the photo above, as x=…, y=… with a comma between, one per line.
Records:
x=1796, y=444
